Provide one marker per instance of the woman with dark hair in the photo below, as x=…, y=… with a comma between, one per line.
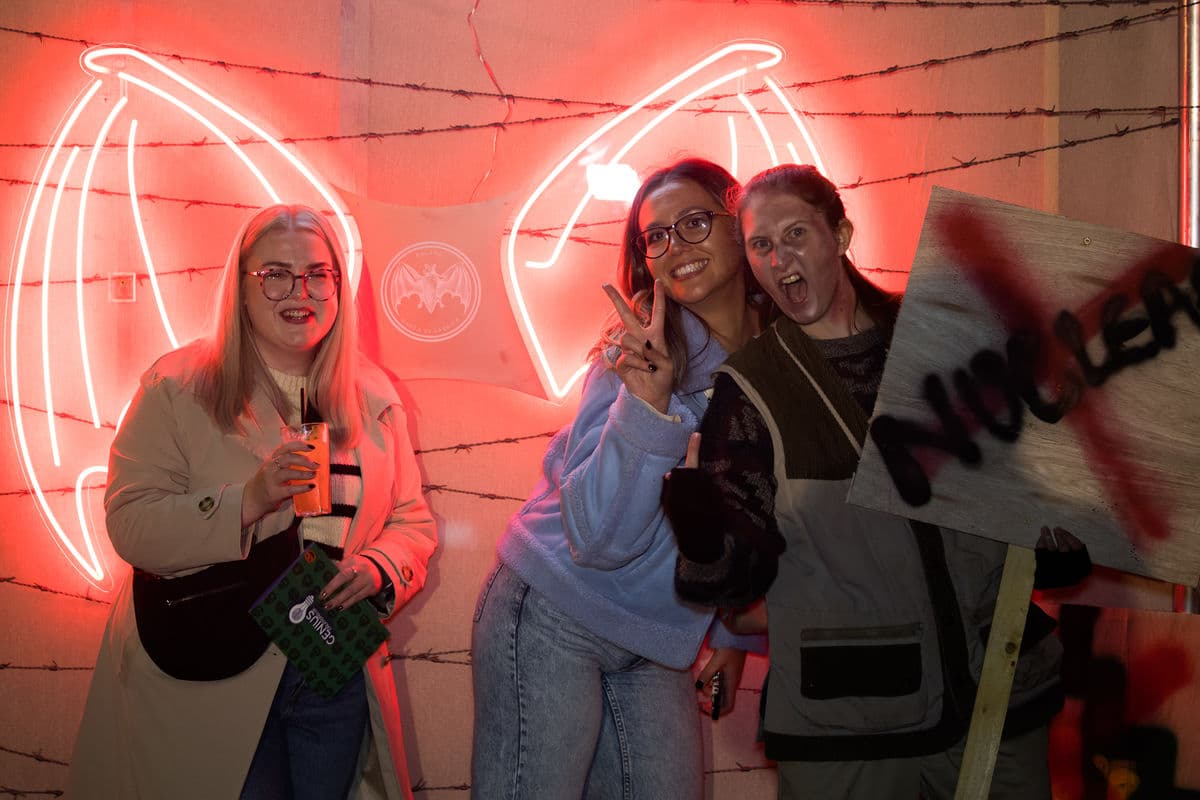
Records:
x=878, y=624
x=199, y=495
x=581, y=650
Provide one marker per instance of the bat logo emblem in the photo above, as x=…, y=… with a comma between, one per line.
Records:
x=430, y=291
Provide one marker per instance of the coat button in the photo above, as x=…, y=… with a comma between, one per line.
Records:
x=406, y=573
x=206, y=504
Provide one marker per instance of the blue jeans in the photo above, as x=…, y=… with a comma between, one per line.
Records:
x=562, y=713
x=309, y=746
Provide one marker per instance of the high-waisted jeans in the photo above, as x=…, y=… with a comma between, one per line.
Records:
x=562, y=713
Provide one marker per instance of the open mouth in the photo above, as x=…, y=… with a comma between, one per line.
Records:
x=296, y=315
x=795, y=288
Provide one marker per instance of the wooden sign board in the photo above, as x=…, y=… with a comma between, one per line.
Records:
x=1044, y=371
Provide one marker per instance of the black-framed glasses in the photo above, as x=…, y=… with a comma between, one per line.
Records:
x=692, y=228
x=278, y=284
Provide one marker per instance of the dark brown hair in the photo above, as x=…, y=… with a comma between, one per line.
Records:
x=635, y=279
x=805, y=182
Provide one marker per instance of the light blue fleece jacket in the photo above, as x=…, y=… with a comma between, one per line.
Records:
x=593, y=538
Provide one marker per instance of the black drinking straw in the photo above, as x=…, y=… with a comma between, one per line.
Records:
x=303, y=405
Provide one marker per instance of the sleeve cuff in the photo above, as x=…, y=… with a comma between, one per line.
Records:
x=656, y=412
x=659, y=434
x=720, y=636
x=385, y=598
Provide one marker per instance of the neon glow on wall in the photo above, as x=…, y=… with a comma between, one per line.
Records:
x=553, y=287
x=70, y=236
x=63, y=472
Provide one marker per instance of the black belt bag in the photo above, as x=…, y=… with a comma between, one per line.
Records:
x=198, y=627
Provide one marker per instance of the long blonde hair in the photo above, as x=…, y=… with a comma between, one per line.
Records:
x=231, y=368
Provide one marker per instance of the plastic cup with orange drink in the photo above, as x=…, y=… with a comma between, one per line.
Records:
x=315, y=501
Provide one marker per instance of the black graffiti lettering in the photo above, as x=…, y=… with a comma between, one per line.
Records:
x=896, y=437
x=993, y=383
x=989, y=371
x=1117, y=333
x=1163, y=300
x=1023, y=353
x=1070, y=332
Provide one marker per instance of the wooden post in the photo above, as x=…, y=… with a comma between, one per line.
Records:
x=995, y=683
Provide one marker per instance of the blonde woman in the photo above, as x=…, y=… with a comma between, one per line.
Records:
x=199, y=495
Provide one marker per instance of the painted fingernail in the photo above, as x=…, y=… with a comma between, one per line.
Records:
x=699, y=684
x=649, y=345
x=311, y=485
x=651, y=366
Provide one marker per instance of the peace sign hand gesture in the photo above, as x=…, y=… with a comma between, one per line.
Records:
x=645, y=366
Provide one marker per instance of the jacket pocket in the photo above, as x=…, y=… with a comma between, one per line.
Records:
x=865, y=662
x=857, y=680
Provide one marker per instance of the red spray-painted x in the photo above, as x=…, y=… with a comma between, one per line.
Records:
x=1012, y=291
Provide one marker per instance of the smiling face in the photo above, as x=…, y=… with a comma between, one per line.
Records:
x=695, y=275
x=288, y=332
x=797, y=258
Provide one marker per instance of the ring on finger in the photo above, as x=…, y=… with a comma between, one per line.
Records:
x=275, y=461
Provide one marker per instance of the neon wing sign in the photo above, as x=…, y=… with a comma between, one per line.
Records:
x=553, y=266
x=55, y=338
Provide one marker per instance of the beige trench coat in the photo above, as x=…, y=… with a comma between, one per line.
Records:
x=174, y=506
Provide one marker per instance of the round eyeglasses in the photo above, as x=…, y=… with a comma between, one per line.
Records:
x=692, y=228
x=278, y=284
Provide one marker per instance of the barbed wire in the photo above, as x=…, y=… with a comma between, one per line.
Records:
x=1096, y=112
x=1018, y=155
x=11, y=792
x=63, y=415
x=422, y=786
x=1121, y=23
x=36, y=755
x=467, y=446
x=439, y=488
x=12, y=580
x=435, y=657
